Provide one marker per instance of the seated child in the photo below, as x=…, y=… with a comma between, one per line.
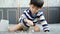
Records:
x=31, y=16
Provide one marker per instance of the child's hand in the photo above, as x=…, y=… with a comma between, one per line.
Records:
x=29, y=22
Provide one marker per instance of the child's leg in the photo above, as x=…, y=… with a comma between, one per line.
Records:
x=36, y=28
x=18, y=27
x=15, y=28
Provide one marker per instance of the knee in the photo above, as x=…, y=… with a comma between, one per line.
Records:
x=36, y=29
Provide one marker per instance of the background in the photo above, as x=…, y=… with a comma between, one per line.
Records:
x=12, y=9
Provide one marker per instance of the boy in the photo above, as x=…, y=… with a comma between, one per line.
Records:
x=31, y=16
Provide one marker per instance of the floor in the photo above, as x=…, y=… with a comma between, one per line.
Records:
x=54, y=29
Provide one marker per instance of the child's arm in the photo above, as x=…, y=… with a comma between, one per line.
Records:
x=44, y=22
x=29, y=22
x=22, y=18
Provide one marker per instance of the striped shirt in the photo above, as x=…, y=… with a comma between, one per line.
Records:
x=38, y=17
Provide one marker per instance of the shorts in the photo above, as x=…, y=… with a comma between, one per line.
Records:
x=24, y=28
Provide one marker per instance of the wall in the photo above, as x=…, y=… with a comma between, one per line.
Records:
x=25, y=3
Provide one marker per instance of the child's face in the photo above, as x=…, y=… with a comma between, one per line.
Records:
x=34, y=8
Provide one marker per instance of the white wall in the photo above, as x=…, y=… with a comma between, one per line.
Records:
x=51, y=3
x=8, y=3
x=25, y=3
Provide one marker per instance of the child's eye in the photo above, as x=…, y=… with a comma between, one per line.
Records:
x=36, y=8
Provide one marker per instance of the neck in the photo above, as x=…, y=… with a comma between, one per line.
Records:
x=33, y=12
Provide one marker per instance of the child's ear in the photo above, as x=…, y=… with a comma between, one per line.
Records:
x=29, y=4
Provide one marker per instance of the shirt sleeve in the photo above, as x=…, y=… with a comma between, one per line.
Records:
x=43, y=21
x=21, y=19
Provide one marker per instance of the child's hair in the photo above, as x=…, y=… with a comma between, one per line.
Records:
x=37, y=3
